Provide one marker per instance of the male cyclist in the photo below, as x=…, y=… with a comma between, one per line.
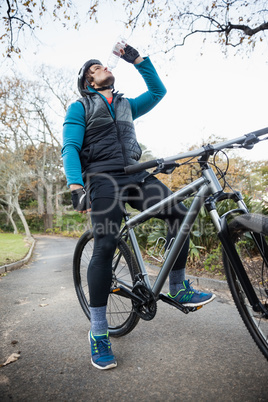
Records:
x=98, y=142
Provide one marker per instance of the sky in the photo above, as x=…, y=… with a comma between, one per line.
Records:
x=206, y=95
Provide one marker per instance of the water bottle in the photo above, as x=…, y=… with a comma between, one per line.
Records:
x=115, y=54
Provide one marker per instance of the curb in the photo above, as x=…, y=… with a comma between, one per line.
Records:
x=18, y=264
x=202, y=282
x=208, y=283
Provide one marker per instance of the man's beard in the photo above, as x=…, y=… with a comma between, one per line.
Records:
x=106, y=82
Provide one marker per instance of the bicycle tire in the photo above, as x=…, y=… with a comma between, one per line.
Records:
x=120, y=313
x=253, y=260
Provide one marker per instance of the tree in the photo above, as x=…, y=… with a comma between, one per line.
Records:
x=257, y=184
x=14, y=176
x=146, y=153
x=30, y=128
x=236, y=23
x=27, y=16
x=230, y=22
x=237, y=173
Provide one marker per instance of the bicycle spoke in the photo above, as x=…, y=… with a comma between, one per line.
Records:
x=120, y=314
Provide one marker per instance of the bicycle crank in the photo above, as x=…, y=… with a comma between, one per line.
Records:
x=146, y=308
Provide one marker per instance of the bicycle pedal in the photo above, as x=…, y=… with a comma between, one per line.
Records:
x=179, y=306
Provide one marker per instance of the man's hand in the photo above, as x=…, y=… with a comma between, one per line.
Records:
x=80, y=199
x=131, y=55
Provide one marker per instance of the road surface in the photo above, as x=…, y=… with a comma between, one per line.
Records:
x=206, y=356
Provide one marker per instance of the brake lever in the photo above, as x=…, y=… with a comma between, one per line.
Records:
x=250, y=141
x=166, y=168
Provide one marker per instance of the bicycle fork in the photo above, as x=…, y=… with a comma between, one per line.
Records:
x=238, y=267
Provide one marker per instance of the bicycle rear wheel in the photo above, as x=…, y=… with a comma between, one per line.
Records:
x=120, y=314
x=244, y=231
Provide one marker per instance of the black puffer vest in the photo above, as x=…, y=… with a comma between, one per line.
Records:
x=109, y=144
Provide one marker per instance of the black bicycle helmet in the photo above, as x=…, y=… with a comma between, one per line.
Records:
x=81, y=74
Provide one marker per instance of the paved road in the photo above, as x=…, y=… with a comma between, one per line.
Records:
x=207, y=355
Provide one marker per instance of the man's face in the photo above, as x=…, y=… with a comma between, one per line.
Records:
x=101, y=76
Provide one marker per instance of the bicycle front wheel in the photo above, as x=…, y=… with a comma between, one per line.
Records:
x=250, y=236
x=120, y=314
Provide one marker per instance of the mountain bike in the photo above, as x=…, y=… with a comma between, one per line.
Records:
x=243, y=236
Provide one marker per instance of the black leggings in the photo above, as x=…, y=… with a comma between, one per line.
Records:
x=106, y=216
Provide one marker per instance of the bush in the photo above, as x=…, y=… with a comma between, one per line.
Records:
x=148, y=232
x=213, y=262
x=35, y=222
x=70, y=222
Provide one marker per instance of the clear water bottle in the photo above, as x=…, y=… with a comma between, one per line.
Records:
x=115, y=54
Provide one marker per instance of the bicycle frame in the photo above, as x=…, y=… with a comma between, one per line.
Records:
x=207, y=185
x=133, y=295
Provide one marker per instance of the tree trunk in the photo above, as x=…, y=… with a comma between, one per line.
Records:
x=13, y=223
x=48, y=216
x=9, y=213
x=22, y=217
x=48, y=221
x=58, y=197
x=40, y=197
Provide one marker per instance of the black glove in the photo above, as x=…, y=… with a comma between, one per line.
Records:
x=80, y=200
x=130, y=54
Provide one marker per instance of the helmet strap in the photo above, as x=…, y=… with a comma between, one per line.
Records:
x=104, y=88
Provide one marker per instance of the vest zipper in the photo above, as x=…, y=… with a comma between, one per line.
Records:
x=117, y=132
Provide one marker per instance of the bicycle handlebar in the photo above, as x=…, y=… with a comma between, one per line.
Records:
x=246, y=141
x=138, y=167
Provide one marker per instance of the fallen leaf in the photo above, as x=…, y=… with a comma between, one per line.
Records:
x=12, y=358
x=43, y=305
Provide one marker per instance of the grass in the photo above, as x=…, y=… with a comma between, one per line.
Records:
x=12, y=248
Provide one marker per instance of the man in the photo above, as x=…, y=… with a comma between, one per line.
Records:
x=98, y=142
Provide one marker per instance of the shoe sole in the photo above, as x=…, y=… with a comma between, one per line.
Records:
x=109, y=366
x=201, y=303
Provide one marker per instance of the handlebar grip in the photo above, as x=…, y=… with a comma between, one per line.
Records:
x=138, y=167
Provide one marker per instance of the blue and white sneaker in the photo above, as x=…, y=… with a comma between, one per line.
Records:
x=190, y=297
x=101, y=351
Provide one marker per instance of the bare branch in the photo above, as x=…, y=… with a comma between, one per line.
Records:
x=138, y=15
x=246, y=29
